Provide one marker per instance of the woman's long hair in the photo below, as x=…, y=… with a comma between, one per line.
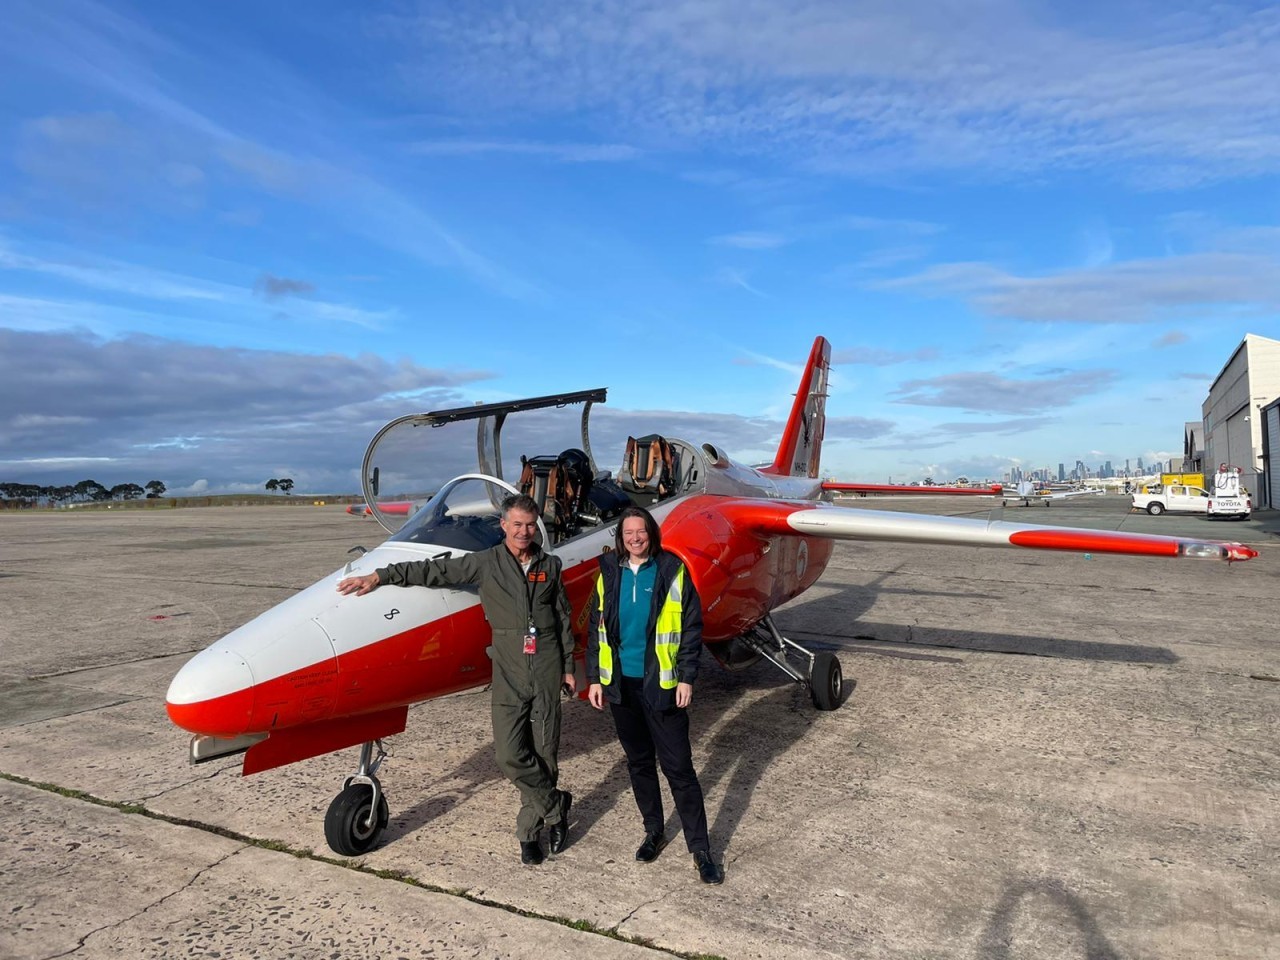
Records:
x=650, y=524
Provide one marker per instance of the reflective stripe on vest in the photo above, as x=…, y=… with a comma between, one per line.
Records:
x=667, y=634
x=602, y=634
x=666, y=641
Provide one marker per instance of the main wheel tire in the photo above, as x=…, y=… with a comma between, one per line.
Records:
x=1155, y=509
x=826, y=681
x=346, y=824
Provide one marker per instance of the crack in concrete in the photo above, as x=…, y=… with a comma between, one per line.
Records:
x=617, y=927
x=124, y=920
x=212, y=774
x=354, y=866
x=119, y=663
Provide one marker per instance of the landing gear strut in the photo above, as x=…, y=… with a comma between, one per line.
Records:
x=358, y=815
x=823, y=677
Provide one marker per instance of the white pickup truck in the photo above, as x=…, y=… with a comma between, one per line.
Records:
x=1174, y=498
x=1228, y=499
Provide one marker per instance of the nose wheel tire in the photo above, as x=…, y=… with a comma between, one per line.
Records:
x=826, y=681
x=348, y=828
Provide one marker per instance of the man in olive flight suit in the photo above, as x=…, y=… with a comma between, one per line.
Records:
x=524, y=601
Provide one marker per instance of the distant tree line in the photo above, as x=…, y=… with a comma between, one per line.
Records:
x=86, y=491
x=284, y=486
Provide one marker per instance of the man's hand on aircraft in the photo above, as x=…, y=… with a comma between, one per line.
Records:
x=359, y=585
x=595, y=696
x=684, y=694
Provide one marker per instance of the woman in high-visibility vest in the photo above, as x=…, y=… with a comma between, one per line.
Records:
x=643, y=644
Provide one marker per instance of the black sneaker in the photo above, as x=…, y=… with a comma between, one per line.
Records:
x=708, y=870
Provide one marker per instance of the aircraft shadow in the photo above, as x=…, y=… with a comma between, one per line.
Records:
x=804, y=622
x=871, y=638
x=807, y=622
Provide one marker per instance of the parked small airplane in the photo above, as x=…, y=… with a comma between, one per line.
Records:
x=1025, y=490
x=323, y=671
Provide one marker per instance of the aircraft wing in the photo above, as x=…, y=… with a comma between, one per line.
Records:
x=817, y=519
x=1068, y=494
x=864, y=488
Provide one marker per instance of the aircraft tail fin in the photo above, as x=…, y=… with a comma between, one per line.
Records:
x=801, y=446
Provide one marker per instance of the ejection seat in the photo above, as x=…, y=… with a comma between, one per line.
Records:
x=560, y=486
x=648, y=471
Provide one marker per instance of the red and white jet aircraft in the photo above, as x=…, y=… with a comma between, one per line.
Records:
x=322, y=671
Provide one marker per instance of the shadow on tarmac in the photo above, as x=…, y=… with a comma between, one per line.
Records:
x=737, y=756
x=939, y=639
x=1052, y=894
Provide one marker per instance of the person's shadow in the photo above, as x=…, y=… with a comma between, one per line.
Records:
x=583, y=732
x=1057, y=908
x=734, y=759
x=740, y=752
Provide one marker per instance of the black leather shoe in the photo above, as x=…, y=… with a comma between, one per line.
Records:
x=652, y=846
x=531, y=852
x=708, y=870
x=559, y=832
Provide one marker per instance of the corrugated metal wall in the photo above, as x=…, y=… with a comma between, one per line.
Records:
x=1272, y=443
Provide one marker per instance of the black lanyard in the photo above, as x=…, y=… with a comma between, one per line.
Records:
x=530, y=585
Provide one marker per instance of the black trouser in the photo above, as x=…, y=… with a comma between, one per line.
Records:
x=647, y=734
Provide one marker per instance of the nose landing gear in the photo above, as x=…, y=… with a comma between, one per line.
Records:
x=358, y=815
x=824, y=678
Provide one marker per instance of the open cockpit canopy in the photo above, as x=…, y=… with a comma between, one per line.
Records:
x=540, y=446
x=413, y=457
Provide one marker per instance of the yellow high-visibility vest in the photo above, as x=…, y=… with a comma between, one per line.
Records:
x=667, y=633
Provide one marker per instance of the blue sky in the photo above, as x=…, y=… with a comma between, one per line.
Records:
x=237, y=238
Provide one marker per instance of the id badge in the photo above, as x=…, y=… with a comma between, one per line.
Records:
x=531, y=640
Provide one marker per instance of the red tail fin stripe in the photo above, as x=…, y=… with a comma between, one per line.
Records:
x=782, y=463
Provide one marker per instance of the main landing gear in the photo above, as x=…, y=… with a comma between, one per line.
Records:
x=358, y=815
x=823, y=678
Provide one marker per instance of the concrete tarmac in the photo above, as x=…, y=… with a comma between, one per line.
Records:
x=1042, y=755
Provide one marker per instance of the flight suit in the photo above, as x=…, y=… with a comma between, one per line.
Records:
x=525, y=700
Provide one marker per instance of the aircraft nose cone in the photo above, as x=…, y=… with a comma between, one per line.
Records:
x=212, y=694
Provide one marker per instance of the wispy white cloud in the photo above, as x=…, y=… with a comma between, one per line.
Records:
x=750, y=241
x=118, y=277
x=121, y=58
x=561, y=152
x=878, y=357
x=1133, y=291
x=989, y=392
x=737, y=278
x=149, y=283
x=995, y=88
